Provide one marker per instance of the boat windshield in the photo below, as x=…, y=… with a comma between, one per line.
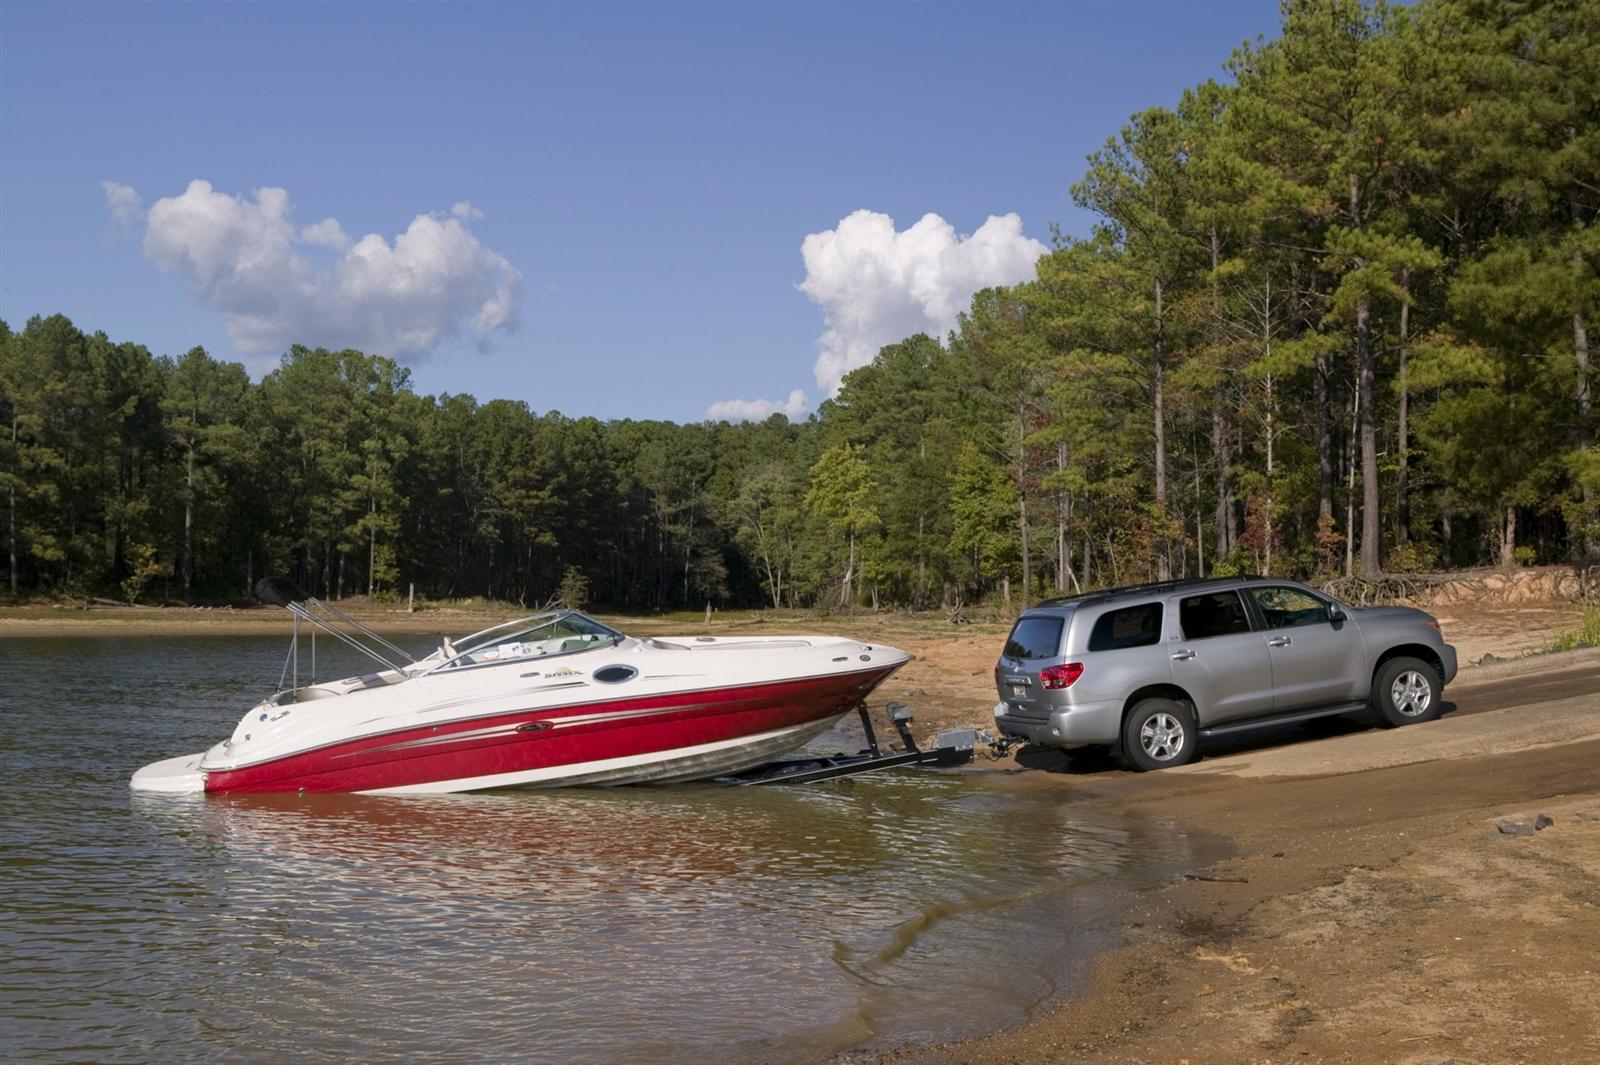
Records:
x=536, y=637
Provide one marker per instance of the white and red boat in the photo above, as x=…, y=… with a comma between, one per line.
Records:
x=552, y=699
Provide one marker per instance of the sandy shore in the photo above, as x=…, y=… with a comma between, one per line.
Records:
x=1374, y=910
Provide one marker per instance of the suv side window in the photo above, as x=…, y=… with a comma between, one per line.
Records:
x=1213, y=614
x=1288, y=608
x=1132, y=626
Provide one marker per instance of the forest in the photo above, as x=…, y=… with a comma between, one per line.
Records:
x=1334, y=319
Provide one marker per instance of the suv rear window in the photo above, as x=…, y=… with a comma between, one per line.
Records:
x=1217, y=614
x=1132, y=626
x=1035, y=638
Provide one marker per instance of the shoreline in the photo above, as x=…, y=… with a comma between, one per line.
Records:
x=1372, y=911
x=65, y=621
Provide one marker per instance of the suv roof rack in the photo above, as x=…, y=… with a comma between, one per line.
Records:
x=1152, y=588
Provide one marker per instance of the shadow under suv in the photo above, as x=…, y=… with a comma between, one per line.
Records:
x=1150, y=669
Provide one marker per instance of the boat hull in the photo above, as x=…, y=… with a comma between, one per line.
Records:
x=678, y=736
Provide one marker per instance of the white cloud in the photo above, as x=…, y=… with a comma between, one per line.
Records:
x=328, y=232
x=244, y=257
x=466, y=212
x=876, y=286
x=757, y=410
x=126, y=207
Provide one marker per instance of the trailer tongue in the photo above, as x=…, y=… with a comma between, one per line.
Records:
x=952, y=747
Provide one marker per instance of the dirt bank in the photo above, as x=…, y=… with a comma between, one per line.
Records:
x=1375, y=911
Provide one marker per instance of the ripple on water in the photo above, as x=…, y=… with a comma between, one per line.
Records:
x=629, y=925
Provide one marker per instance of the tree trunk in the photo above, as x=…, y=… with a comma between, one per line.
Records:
x=1272, y=433
x=188, y=527
x=846, y=598
x=1580, y=353
x=13, y=493
x=774, y=581
x=1087, y=545
x=1199, y=528
x=1371, y=534
x=1022, y=502
x=1324, y=440
x=922, y=559
x=1350, y=487
x=1163, y=565
x=1508, y=539
x=1221, y=453
x=1366, y=379
x=1402, y=501
x=1063, y=518
x=16, y=459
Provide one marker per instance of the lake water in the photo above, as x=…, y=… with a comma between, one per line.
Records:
x=633, y=925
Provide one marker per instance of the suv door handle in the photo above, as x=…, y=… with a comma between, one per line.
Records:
x=1182, y=656
x=1279, y=641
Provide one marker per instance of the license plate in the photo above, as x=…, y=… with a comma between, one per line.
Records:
x=1019, y=691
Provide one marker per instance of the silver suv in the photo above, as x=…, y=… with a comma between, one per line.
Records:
x=1150, y=669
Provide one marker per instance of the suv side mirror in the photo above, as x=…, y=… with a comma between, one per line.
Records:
x=1335, y=614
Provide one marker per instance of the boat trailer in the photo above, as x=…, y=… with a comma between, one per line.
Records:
x=950, y=748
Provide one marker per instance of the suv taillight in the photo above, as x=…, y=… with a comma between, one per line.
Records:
x=1054, y=678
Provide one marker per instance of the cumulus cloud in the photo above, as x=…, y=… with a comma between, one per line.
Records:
x=124, y=202
x=466, y=212
x=328, y=232
x=876, y=285
x=757, y=410
x=244, y=256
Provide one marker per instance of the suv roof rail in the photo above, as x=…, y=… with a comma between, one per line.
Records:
x=1151, y=588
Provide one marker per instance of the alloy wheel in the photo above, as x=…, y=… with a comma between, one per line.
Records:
x=1161, y=736
x=1411, y=693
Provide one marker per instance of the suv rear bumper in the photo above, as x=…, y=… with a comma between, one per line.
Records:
x=1069, y=726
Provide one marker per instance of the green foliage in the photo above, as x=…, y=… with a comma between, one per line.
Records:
x=1587, y=634
x=1418, y=556
x=843, y=495
x=574, y=590
x=982, y=501
x=1392, y=208
x=142, y=566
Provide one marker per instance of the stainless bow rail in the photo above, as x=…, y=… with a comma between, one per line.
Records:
x=303, y=606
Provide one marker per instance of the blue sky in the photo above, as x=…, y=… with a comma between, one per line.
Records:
x=635, y=181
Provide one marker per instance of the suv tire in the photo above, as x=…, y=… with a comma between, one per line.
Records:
x=1404, y=692
x=1158, y=733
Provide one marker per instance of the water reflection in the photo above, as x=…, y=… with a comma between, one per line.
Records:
x=640, y=925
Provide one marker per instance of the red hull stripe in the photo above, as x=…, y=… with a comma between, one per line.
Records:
x=494, y=745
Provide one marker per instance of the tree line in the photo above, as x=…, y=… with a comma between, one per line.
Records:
x=1334, y=319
